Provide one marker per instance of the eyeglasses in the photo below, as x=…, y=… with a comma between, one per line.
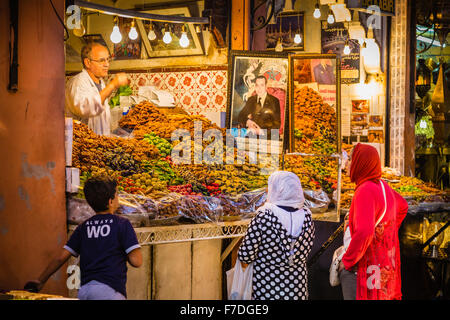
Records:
x=102, y=60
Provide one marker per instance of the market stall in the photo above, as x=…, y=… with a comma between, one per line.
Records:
x=181, y=213
x=189, y=178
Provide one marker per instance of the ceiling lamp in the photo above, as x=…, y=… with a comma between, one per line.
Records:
x=279, y=46
x=317, y=12
x=184, y=41
x=347, y=48
x=298, y=37
x=116, y=36
x=371, y=54
x=133, y=35
x=151, y=34
x=330, y=18
x=167, y=37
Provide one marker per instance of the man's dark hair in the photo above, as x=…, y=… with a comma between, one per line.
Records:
x=86, y=51
x=98, y=191
x=261, y=77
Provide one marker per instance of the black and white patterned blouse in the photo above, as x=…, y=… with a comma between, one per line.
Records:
x=279, y=269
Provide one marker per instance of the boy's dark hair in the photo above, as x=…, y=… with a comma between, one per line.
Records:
x=98, y=191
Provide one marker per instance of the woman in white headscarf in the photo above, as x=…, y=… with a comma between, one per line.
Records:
x=278, y=241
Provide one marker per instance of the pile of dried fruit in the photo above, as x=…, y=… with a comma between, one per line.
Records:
x=90, y=149
x=163, y=125
x=140, y=114
x=408, y=187
x=314, y=121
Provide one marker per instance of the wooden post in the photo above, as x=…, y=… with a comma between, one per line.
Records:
x=240, y=24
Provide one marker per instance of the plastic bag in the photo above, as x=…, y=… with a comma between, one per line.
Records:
x=78, y=210
x=317, y=201
x=200, y=208
x=241, y=282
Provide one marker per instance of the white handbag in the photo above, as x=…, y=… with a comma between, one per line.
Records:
x=339, y=252
x=334, y=267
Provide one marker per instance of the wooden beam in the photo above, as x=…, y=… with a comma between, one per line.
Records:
x=229, y=249
x=148, y=47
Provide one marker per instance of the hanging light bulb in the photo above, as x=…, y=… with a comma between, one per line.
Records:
x=167, y=37
x=151, y=34
x=116, y=36
x=133, y=33
x=184, y=41
x=279, y=46
x=317, y=12
x=347, y=48
x=298, y=37
x=330, y=18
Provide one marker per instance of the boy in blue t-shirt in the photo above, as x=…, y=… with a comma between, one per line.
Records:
x=105, y=242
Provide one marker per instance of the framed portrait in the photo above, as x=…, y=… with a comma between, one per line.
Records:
x=376, y=136
x=156, y=47
x=360, y=106
x=359, y=120
x=314, y=103
x=257, y=93
x=289, y=28
x=375, y=121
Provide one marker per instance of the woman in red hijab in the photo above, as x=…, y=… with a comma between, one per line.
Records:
x=376, y=213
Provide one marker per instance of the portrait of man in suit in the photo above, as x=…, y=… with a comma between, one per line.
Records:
x=261, y=111
x=324, y=73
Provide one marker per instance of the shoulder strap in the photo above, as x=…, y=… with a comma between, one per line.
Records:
x=385, y=204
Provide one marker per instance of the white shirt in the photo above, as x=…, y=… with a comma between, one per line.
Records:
x=83, y=102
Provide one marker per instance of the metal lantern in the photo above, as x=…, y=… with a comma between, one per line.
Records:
x=423, y=78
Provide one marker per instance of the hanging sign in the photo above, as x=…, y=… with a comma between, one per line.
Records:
x=381, y=7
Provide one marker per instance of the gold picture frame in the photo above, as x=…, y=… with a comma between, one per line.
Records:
x=315, y=77
x=308, y=78
x=157, y=48
x=243, y=69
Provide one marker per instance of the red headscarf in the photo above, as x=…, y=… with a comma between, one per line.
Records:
x=366, y=164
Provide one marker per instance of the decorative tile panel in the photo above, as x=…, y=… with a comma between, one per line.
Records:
x=197, y=92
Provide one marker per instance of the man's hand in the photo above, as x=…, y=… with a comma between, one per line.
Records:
x=120, y=79
x=33, y=286
x=253, y=127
